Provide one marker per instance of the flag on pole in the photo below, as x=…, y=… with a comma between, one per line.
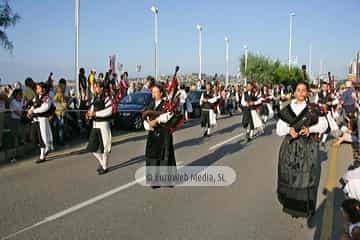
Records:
x=113, y=63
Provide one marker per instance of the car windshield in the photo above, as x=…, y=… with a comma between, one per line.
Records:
x=140, y=99
x=195, y=96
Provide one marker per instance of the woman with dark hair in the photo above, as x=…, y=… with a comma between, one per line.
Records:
x=100, y=136
x=42, y=108
x=159, y=150
x=351, y=213
x=299, y=166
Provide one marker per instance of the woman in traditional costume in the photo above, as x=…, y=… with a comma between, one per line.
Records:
x=159, y=152
x=299, y=166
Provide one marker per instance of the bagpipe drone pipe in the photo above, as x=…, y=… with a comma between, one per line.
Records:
x=171, y=105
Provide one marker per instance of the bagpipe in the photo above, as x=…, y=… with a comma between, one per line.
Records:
x=171, y=105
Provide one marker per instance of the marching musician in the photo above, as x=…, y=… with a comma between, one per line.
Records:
x=207, y=103
x=159, y=151
x=100, y=136
x=325, y=100
x=266, y=110
x=248, y=103
x=40, y=111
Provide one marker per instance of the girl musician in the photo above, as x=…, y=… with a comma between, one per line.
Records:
x=100, y=136
x=159, y=151
x=299, y=166
x=40, y=111
x=208, y=116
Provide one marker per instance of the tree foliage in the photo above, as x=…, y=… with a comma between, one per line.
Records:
x=267, y=71
x=7, y=19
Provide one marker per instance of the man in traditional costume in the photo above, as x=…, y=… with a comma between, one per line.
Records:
x=325, y=100
x=208, y=116
x=299, y=166
x=40, y=111
x=100, y=112
x=250, y=118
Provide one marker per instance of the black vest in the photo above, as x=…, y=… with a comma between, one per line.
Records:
x=207, y=105
x=99, y=104
x=250, y=98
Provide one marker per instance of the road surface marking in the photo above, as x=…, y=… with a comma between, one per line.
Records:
x=235, y=137
x=77, y=207
x=226, y=141
x=327, y=218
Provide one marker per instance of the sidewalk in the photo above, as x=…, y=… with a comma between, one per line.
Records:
x=29, y=152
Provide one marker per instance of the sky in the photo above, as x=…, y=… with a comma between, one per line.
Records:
x=44, y=39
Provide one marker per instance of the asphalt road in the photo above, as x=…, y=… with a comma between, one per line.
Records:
x=64, y=198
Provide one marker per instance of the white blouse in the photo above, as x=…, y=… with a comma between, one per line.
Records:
x=283, y=128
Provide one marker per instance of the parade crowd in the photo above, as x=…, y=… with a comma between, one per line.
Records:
x=307, y=116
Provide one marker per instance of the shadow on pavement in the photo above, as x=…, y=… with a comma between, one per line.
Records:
x=337, y=222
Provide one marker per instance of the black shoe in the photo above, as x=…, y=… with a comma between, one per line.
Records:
x=155, y=187
x=102, y=171
x=248, y=140
x=40, y=160
x=99, y=168
x=205, y=134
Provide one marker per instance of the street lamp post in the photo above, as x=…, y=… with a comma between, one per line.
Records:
x=156, y=12
x=246, y=59
x=227, y=40
x=77, y=8
x=200, y=28
x=290, y=38
x=310, y=60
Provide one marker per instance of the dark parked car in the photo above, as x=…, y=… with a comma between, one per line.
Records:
x=130, y=109
x=195, y=96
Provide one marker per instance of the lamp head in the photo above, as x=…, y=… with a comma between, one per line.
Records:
x=154, y=9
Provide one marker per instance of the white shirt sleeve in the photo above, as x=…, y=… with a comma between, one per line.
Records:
x=146, y=125
x=320, y=127
x=258, y=101
x=107, y=111
x=43, y=107
x=282, y=128
x=165, y=117
x=213, y=100
x=243, y=102
x=316, y=98
x=201, y=99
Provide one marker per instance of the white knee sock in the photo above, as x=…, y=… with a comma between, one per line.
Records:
x=324, y=137
x=42, y=153
x=208, y=131
x=99, y=158
x=105, y=157
x=251, y=134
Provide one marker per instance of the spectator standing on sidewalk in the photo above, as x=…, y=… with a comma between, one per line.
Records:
x=82, y=84
x=91, y=84
x=61, y=106
x=124, y=84
x=16, y=126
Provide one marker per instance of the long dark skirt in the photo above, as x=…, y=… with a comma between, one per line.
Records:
x=247, y=119
x=299, y=172
x=205, y=118
x=160, y=153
